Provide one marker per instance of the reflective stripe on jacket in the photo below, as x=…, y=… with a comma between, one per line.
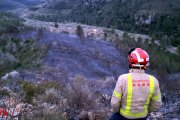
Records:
x=136, y=94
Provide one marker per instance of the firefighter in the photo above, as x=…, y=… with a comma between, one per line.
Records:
x=136, y=93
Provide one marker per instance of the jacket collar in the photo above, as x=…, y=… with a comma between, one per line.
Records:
x=136, y=71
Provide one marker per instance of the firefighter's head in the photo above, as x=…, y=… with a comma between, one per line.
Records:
x=138, y=58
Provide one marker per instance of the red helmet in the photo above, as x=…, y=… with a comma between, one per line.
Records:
x=138, y=58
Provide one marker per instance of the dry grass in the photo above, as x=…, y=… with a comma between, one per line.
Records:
x=51, y=96
x=79, y=95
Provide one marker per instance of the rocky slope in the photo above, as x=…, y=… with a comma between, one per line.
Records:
x=66, y=56
x=55, y=89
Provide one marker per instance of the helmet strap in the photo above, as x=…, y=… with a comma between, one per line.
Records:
x=140, y=67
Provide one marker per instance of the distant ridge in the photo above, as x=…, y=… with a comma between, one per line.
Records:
x=13, y=4
x=29, y=2
x=10, y=4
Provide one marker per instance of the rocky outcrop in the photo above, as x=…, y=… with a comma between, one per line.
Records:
x=12, y=75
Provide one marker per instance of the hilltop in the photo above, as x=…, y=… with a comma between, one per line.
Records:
x=157, y=18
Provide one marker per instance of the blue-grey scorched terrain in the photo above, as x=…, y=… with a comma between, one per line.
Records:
x=68, y=56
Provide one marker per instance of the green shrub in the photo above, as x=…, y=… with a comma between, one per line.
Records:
x=3, y=42
x=139, y=40
x=29, y=54
x=42, y=87
x=105, y=35
x=33, y=8
x=29, y=90
x=56, y=25
x=175, y=41
x=9, y=23
x=26, y=55
x=4, y=93
x=65, y=32
x=112, y=31
x=126, y=35
x=29, y=42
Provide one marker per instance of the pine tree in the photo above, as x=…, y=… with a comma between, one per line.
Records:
x=80, y=32
x=178, y=49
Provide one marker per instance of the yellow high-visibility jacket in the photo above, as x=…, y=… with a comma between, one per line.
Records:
x=136, y=94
